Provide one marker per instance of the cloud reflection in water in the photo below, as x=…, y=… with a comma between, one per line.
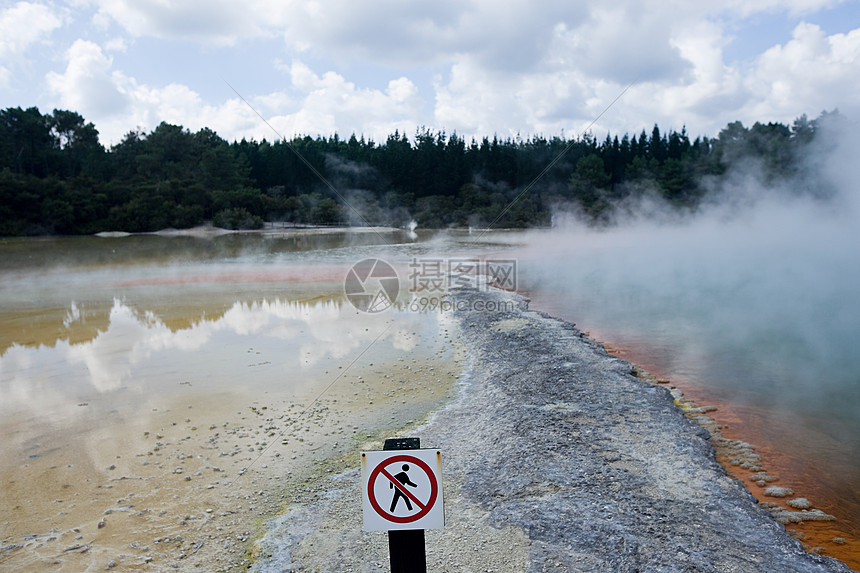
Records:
x=265, y=343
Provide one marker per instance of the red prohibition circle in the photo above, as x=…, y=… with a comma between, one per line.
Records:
x=434, y=489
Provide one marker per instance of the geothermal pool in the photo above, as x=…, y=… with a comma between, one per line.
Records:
x=750, y=315
x=155, y=391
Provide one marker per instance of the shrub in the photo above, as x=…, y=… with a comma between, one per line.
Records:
x=237, y=218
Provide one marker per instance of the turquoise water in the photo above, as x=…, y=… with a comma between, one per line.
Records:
x=761, y=312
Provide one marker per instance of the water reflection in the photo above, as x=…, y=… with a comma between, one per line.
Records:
x=127, y=317
x=123, y=359
x=269, y=344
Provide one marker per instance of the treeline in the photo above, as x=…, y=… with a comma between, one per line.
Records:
x=56, y=178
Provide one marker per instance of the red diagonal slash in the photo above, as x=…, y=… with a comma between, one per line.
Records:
x=401, y=487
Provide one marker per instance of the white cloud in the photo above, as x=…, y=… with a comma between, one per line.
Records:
x=24, y=24
x=525, y=69
x=389, y=32
x=675, y=53
x=88, y=86
x=321, y=105
x=582, y=64
x=746, y=8
x=809, y=73
x=582, y=68
x=428, y=34
x=116, y=45
x=313, y=104
x=474, y=99
x=117, y=103
x=708, y=91
x=328, y=103
x=177, y=104
x=220, y=22
x=621, y=43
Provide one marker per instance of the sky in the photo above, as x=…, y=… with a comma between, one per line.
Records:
x=474, y=67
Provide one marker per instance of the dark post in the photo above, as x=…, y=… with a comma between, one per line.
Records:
x=406, y=547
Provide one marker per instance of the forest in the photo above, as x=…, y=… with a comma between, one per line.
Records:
x=56, y=178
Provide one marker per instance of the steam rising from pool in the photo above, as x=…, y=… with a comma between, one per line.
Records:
x=758, y=292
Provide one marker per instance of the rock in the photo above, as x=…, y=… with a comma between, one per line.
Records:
x=776, y=491
x=799, y=503
x=785, y=516
x=702, y=409
x=762, y=478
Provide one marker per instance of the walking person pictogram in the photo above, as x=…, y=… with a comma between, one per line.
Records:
x=387, y=476
x=403, y=478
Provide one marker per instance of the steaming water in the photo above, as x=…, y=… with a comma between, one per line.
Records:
x=759, y=312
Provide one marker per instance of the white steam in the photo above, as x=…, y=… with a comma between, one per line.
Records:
x=760, y=289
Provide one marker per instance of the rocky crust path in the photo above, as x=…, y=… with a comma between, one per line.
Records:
x=556, y=458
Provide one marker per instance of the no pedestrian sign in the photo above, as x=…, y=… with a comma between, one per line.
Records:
x=402, y=489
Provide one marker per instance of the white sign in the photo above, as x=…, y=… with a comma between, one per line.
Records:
x=402, y=489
